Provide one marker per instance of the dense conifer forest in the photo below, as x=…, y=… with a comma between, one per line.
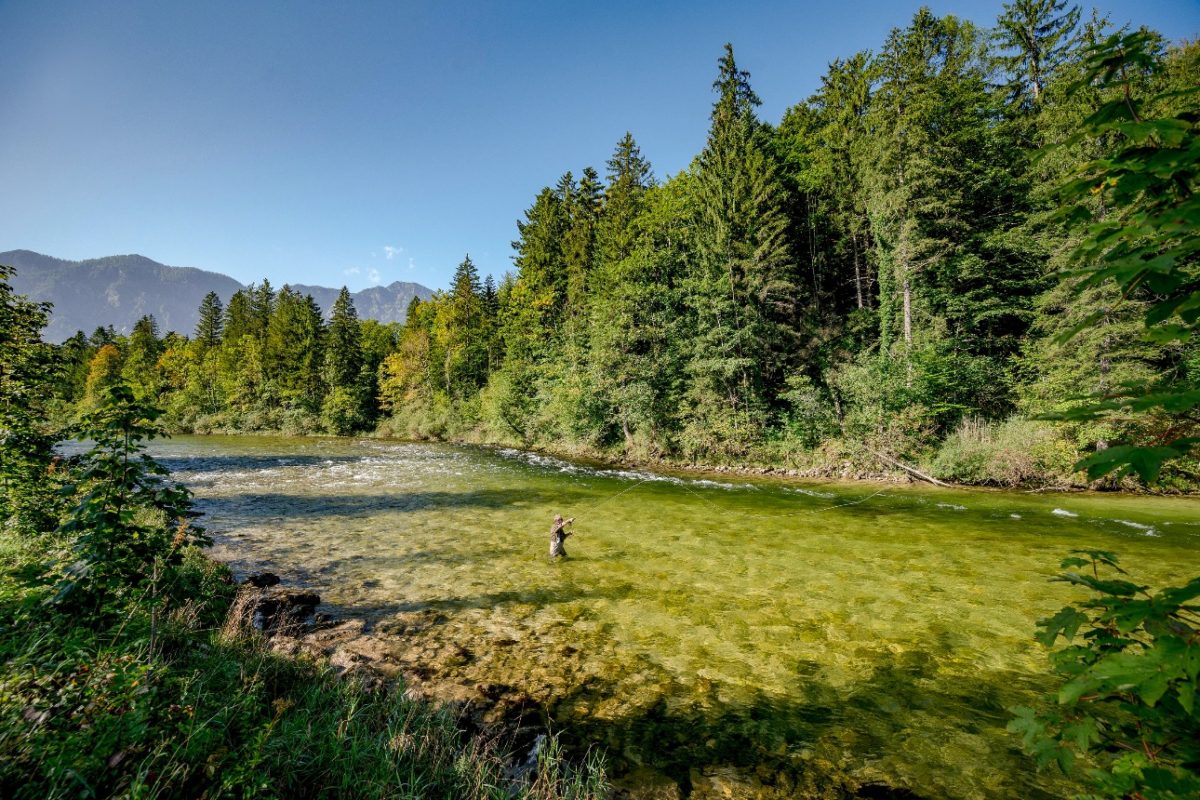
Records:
x=886, y=270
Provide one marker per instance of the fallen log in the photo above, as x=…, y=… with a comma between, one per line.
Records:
x=910, y=470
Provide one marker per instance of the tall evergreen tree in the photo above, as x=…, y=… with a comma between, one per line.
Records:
x=140, y=367
x=580, y=240
x=460, y=335
x=343, y=356
x=292, y=351
x=239, y=317
x=212, y=321
x=742, y=287
x=1035, y=36
x=629, y=176
x=262, y=305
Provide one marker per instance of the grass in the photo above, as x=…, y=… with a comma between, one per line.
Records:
x=101, y=711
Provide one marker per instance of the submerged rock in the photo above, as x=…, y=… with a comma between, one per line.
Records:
x=263, y=580
x=272, y=610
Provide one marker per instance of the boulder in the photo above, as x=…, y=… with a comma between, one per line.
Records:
x=272, y=611
x=262, y=580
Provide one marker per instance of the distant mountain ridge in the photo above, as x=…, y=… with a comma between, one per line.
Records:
x=119, y=290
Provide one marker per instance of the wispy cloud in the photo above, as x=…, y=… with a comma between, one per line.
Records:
x=390, y=252
x=374, y=277
x=351, y=271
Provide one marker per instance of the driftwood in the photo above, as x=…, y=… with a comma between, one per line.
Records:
x=910, y=470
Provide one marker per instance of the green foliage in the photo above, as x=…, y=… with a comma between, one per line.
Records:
x=27, y=372
x=1035, y=37
x=901, y=253
x=342, y=412
x=128, y=524
x=1139, y=208
x=117, y=681
x=740, y=294
x=1016, y=452
x=1126, y=706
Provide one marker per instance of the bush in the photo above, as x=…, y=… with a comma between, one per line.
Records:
x=1016, y=452
x=342, y=412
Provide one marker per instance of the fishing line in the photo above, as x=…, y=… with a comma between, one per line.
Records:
x=592, y=507
x=689, y=490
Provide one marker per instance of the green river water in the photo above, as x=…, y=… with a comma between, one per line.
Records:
x=830, y=632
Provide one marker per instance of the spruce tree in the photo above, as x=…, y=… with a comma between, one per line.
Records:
x=1035, y=36
x=262, y=304
x=292, y=350
x=629, y=176
x=238, y=320
x=580, y=239
x=742, y=287
x=343, y=356
x=459, y=333
x=211, y=323
x=140, y=368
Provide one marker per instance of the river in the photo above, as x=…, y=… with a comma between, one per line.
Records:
x=777, y=633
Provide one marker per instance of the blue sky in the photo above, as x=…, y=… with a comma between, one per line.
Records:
x=360, y=143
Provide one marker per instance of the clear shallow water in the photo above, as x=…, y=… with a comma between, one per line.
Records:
x=820, y=630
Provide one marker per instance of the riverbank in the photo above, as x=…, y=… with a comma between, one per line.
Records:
x=836, y=460
x=178, y=703
x=964, y=461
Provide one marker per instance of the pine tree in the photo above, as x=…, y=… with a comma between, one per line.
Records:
x=292, y=352
x=262, y=304
x=629, y=176
x=459, y=335
x=239, y=317
x=824, y=142
x=212, y=322
x=1036, y=36
x=580, y=240
x=924, y=120
x=742, y=289
x=140, y=368
x=343, y=356
x=632, y=287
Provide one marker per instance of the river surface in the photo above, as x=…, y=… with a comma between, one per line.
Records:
x=838, y=634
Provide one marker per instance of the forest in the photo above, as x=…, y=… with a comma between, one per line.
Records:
x=890, y=269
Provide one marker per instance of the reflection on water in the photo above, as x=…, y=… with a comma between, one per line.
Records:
x=816, y=632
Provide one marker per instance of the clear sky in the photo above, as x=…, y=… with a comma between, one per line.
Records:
x=359, y=143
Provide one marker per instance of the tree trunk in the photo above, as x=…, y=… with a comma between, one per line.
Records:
x=857, y=272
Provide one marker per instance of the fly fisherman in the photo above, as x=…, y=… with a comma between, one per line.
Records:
x=558, y=535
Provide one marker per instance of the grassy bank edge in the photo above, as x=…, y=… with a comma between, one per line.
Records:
x=170, y=705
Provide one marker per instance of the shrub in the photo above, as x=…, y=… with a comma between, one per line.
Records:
x=342, y=412
x=1015, y=452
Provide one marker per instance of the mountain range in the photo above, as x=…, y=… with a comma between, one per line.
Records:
x=119, y=290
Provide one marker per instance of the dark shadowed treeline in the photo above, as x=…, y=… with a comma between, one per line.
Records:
x=884, y=271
